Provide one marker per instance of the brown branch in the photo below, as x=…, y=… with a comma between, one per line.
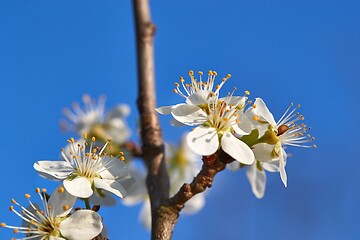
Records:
x=152, y=144
x=211, y=166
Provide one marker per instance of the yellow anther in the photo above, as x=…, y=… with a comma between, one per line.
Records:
x=237, y=121
x=210, y=72
x=254, y=105
x=37, y=190
x=235, y=88
x=247, y=92
x=66, y=207
x=176, y=84
x=298, y=106
x=27, y=195
x=217, y=87
x=315, y=146
x=62, y=149
x=122, y=158
x=16, y=230
x=13, y=201
x=214, y=73
x=200, y=73
x=94, y=150
x=61, y=190
x=43, y=190
x=212, y=94
x=76, y=157
x=85, y=135
x=122, y=153
x=68, y=141
x=2, y=224
x=72, y=140
x=228, y=76
x=175, y=91
x=255, y=118
x=224, y=79
x=32, y=221
x=182, y=79
x=191, y=73
x=93, y=139
x=11, y=208
x=87, y=154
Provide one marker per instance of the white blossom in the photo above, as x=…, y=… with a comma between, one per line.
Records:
x=92, y=119
x=55, y=221
x=87, y=171
x=275, y=135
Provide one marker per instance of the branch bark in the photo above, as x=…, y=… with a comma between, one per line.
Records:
x=152, y=143
x=211, y=166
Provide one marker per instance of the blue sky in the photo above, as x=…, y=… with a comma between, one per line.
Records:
x=308, y=52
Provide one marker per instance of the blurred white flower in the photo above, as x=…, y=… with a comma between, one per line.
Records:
x=54, y=221
x=183, y=165
x=87, y=171
x=91, y=119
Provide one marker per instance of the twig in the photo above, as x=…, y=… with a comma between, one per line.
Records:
x=211, y=166
x=152, y=144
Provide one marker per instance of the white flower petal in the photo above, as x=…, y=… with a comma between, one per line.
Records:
x=282, y=159
x=195, y=204
x=257, y=180
x=263, y=111
x=234, y=100
x=263, y=151
x=271, y=166
x=165, y=110
x=145, y=214
x=203, y=140
x=233, y=166
x=54, y=238
x=81, y=225
x=59, y=199
x=189, y=114
x=245, y=123
x=111, y=186
x=199, y=97
x=112, y=168
x=56, y=169
x=79, y=187
x=119, y=112
x=238, y=130
x=103, y=199
x=237, y=149
x=117, y=130
x=138, y=191
x=176, y=123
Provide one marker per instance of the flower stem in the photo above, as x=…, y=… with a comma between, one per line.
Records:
x=87, y=203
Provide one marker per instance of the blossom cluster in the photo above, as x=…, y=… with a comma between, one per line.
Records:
x=245, y=130
x=94, y=169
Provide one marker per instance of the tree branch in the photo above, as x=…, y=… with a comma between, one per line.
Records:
x=152, y=144
x=211, y=166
